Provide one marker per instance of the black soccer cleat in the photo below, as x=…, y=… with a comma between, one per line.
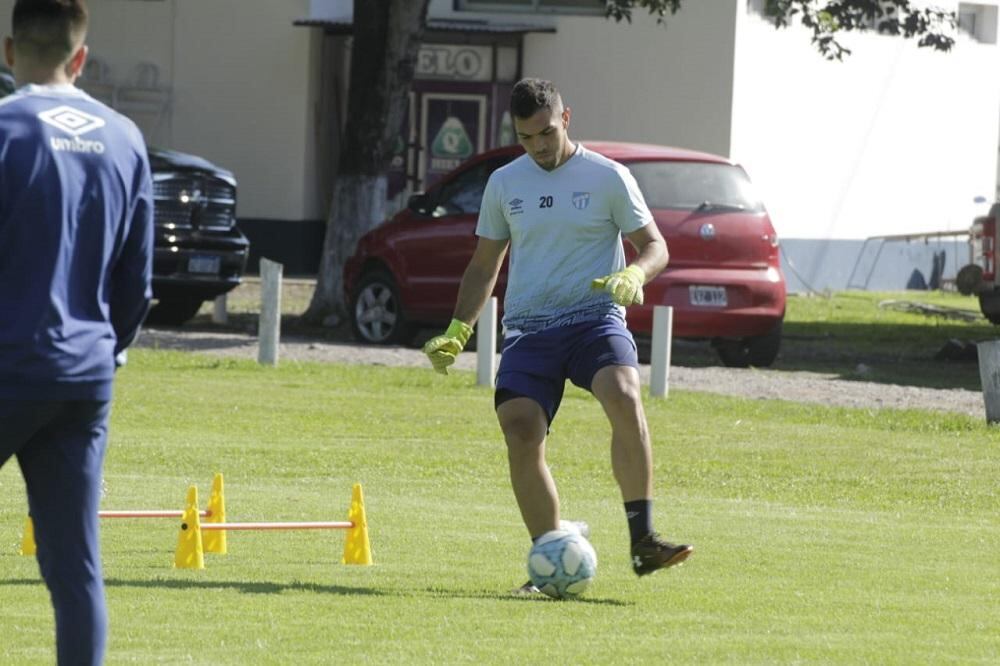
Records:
x=653, y=553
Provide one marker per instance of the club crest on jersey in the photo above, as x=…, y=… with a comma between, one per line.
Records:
x=516, y=206
x=581, y=200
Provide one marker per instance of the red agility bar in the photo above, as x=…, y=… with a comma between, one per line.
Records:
x=333, y=525
x=191, y=549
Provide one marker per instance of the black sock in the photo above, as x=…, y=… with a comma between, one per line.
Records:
x=640, y=519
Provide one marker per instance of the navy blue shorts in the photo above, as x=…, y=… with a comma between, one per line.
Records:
x=537, y=365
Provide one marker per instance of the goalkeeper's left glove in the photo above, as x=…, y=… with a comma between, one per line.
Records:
x=443, y=349
x=624, y=286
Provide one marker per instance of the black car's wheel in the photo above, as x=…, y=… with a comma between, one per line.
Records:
x=173, y=311
x=757, y=351
x=376, y=312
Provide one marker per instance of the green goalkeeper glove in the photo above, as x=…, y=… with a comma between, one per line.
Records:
x=443, y=349
x=624, y=286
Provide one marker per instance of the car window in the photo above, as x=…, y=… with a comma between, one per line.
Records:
x=464, y=194
x=690, y=185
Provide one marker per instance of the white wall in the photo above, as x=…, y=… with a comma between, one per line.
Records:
x=896, y=139
x=108, y=21
x=243, y=96
x=643, y=82
x=243, y=88
x=124, y=49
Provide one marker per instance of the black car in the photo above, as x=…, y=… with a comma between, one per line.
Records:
x=199, y=251
x=7, y=85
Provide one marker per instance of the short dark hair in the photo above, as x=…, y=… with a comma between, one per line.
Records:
x=49, y=30
x=530, y=96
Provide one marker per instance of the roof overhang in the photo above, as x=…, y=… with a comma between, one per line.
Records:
x=342, y=27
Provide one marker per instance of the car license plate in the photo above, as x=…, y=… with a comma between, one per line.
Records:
x=709, y=297
x=202, y=264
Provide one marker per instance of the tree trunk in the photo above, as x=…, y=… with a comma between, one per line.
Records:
x=387, y=36
x=358, y=205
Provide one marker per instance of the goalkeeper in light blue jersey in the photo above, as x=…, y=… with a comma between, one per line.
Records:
x=562, y=210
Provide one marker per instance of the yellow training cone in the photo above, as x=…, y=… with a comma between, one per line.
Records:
x=190, y=553
x=214, y=541
x=357, y=548
x=28, y=539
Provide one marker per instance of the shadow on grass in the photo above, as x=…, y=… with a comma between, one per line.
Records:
x=240, y=586
x=341, y=590
x=902, y=355
x=493, y=595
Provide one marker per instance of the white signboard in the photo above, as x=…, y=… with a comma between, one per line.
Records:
x=455, y=62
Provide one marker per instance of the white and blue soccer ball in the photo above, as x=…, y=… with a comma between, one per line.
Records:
x=562, y=563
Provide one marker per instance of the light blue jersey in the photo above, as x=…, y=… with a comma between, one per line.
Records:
x=565, y=228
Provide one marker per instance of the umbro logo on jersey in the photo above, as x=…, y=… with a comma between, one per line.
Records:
x=75, y=123
x=516, y=206
x=581, y=200
x=70, y=120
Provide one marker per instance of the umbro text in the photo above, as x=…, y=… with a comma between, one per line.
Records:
x=76, y=145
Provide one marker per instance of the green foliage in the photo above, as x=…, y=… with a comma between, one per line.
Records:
x=622, y=9
x=828, y=18
x=822, y=535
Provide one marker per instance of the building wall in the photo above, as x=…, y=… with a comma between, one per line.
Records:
x=894, y=140
x=242, y=89
x=643, y=82
x=244, y=95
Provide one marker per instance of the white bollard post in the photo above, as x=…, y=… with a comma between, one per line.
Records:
x=269, y=324
x=219, y=313
x=486, y=345
x=989, y=377
x=659, y=357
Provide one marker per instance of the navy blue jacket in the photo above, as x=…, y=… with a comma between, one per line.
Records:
x=76, y=243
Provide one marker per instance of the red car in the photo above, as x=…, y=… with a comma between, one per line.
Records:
x=724, y=279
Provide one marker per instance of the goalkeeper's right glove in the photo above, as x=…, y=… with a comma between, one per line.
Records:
x=443, y=349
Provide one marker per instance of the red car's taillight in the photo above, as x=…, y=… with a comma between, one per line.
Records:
x=774, y=250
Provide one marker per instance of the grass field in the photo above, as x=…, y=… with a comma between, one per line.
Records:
x=836, y=332
x=823, y=535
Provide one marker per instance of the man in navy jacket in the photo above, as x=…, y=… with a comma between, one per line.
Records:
x=75, y=270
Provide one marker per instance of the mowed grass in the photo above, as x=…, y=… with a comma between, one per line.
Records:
x=864, y=322
x=856, y=335
x=822, y=535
